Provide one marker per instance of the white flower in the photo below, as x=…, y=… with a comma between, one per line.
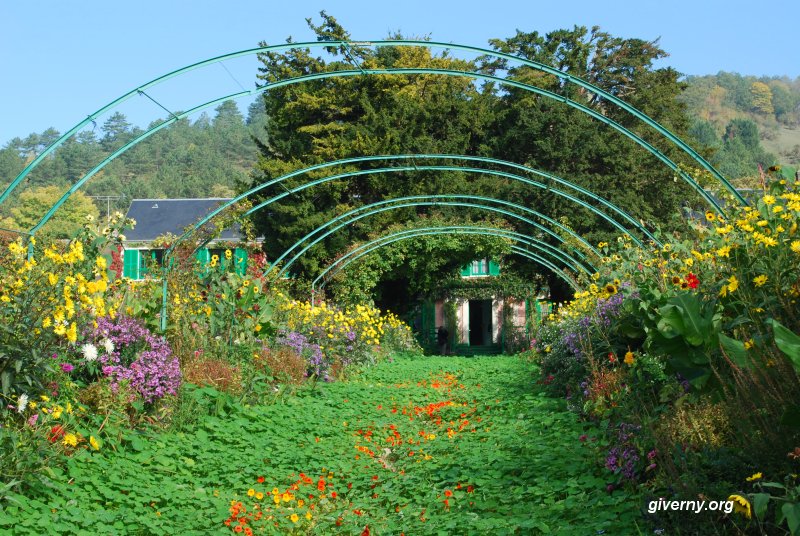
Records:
x=22, y=403
x=108, y=345
x=89, y=352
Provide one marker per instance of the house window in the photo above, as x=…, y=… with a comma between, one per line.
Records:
x=480, y=267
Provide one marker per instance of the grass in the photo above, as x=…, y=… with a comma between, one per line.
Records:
x=384, y=450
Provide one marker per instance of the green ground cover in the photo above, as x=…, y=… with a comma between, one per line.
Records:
x=414, y=446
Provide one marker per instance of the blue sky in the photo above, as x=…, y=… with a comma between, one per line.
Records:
x=61, y=61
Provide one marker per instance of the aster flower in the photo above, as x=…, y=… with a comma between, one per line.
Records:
x=22, y=403
x=89, y=352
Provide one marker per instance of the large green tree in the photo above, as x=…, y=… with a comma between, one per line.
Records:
x=336, y=118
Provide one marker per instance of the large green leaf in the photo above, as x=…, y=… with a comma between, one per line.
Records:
x=788, y=342
x=735, y=350
x=760, y=503
x=791, y=512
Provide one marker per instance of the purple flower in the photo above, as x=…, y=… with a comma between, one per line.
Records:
x=142, y=359
x=67, y=367
x=311, y=352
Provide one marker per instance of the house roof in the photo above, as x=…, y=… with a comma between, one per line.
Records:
x=157, y=217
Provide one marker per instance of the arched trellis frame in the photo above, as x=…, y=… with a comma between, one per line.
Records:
x=466, y=201
x=368, y=247
x=348, y=161
x=567, y=78
x=580, y=202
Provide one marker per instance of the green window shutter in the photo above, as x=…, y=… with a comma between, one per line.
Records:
x=144, y=258
x=240, y=258
x=130, y=264
x=466, y=271
x=494, y=268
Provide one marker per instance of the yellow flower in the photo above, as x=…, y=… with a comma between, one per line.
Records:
x=710, y=216
x=748, y=344
x=70, y=440
x=228, y=254
x=101, y=263
x=756, y=476
x=295, y=518
x=547, y=349
x=94, y=444
x=760, y=280
x=308, y=515
x=602, y=244
x=72, y=333
x=741, y=505
x=52, y=279
x=795, y=246
x=769, y=200
x=724, y=251
x=733, y=283
x=629, y=358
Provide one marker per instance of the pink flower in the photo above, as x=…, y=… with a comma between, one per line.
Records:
x=32, y=420
x=67, y=367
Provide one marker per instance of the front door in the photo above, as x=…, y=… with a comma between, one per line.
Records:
x=480, y=322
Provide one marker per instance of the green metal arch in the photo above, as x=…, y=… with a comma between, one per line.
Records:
x=395, y=43
x=402, y=202
x=568, y=78
x=512, y=176
x=368, y=247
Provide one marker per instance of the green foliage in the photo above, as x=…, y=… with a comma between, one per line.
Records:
x=339, y=118
x=34, y=203
x=209, y=156
x=502, y=477
x=694, y=344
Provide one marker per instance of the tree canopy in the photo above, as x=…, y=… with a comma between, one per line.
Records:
x=337, y=118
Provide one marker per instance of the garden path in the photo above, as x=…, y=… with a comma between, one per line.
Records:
x=415, y=446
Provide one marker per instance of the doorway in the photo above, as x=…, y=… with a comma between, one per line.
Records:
x=480, y=322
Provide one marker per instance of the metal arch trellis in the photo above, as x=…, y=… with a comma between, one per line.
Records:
x=415, y=201
x=627, y=217
x=366, y=248
x=175, y=117
x=427, y=44
x=349, y=174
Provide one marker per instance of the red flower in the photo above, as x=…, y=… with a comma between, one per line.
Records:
x=56, y=433
x=448, y=493
x=321, y=485
x=260, y=480
x=365, y=532
x=470, y=488
x=692, y=281
x=333, y=495
x=611, y=358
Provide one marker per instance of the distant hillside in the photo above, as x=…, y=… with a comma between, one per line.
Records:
x=739, y=123
x=745, y=120
x=209, y=157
